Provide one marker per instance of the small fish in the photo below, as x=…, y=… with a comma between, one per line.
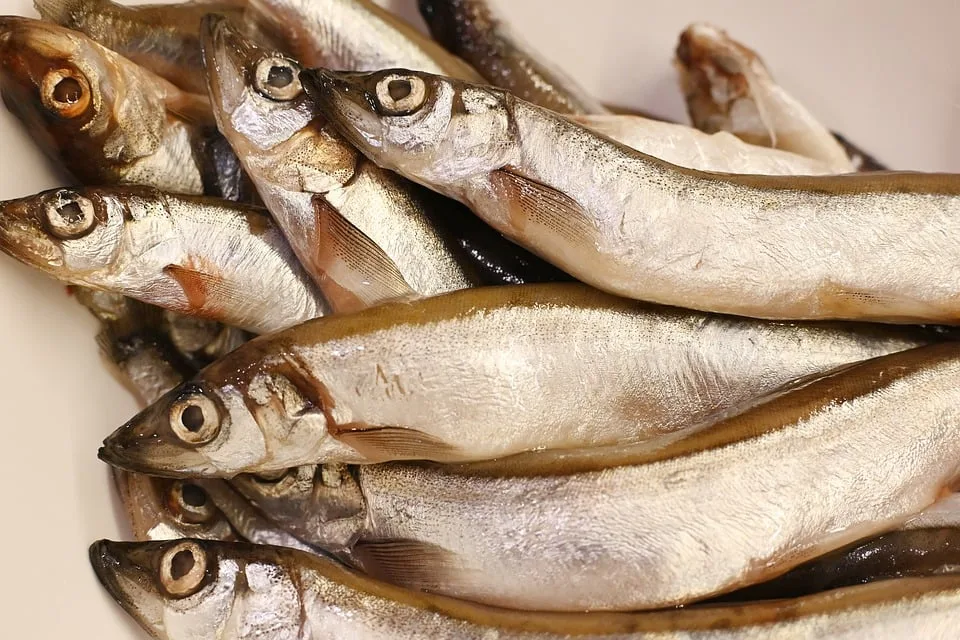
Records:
x=355, y=35
x=853, y=247
x=478, y=374
x=160, y=37
x=197, y=589
x=728, y=88
x=194, y=255
x=107, y=120
x=918, y=553
x=472, y=30
x=557, y=537
x=200, y=340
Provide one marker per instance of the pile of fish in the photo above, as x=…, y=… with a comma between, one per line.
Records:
x=433, y=344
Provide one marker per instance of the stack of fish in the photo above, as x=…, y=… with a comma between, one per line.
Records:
x=438, y=432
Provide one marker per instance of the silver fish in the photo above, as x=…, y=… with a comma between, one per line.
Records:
x=478, y=374
x=818, y=467
x=789, y=247
x=195, y=589
x=199, y=256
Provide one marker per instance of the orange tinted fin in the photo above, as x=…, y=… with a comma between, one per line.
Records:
x=207, y=295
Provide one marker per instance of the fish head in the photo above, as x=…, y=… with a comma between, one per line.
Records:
x=432, y=129
x=74, y=235
x=185, y=589
x=270, y=122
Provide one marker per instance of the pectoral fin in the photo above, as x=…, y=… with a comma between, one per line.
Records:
x=408, y=563
x=207, y=294
x=382, y=444
x=534, y=204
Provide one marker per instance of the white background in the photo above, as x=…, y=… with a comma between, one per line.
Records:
x=883, y=72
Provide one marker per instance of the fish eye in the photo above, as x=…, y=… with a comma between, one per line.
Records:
x=277, y=79
x=183, y=569
x=65, y=92
x=69, y=215
x=194, y=418
x=190, y=503
x=401, y=95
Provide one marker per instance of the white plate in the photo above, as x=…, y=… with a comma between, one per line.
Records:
x=883, y=72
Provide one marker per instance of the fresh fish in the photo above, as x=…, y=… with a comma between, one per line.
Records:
x=355, y=35
x=474, y=375
x=918, y=553
x=365, y=234
x=199, y=256
x=863, y=246
x=160, y=37
x=818, y=467
x=107, y=120
x=195, y=589
x=688, y=147
x=474, y=31
x=728, y=88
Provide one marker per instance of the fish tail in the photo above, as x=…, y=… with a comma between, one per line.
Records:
x=66, y=13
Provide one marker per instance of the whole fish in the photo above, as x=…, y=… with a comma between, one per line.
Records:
x=688, y=147
x=474, y=375
x=472, y=30
x=355, y=35
x=160, y=37
x=365, y=234
x=199, y=256
x=107, y=120
x=863, y=246
x=728, y=88
x=916, y=553
x=196, y=589
x=557, y=537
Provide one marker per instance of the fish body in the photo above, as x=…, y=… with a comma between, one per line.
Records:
x=728, y=88
x=864, y=246
x=479, y=374
x=200, y=256
x=472, y=30
x=246, y=592
x=558, y=537
x=107, y=120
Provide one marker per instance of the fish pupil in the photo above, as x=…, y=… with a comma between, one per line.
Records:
x=71, y=213
x=68, y=91
x=192, y=418
x=279, y=77
x=399, y=89
x=181, y=564
x=194, y=495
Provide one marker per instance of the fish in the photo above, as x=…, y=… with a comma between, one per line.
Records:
x=944, y=514
x=163, y=38
x=193, y=589
x=688, y=147
x=107, y=120
x=817, y=466
x=775, y=247
x=478, y=374
x=355, y=35
x=728, y=88
x=915, y=553
x=199, y=340
x=365, y=235
x=474, y=31
x=191, y=254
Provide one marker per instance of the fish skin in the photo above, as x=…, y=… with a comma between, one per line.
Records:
x=483, y=373
x=472, y=30
x=728, y=88
x=253, y=592
x=124, y=125
x=524, y=539
x=787, y=247
x=200, y=256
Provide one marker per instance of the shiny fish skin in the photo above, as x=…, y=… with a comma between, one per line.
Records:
x=472, y=30
x=355, y=35
x=944, y=514
x=527, y=539
x=479, y=374
x=249, y=593
x=118, y=123
x=865, y=246
x=728, y=88
x=688, y=147
x=200, y=256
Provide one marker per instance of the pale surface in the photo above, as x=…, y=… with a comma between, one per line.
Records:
x=881, y=72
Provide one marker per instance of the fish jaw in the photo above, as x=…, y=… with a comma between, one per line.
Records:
x=122, y=573
x=23, y=237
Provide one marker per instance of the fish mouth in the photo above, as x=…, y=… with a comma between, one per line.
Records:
x=107, y=564
x=23, y=239
x=226, y=56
